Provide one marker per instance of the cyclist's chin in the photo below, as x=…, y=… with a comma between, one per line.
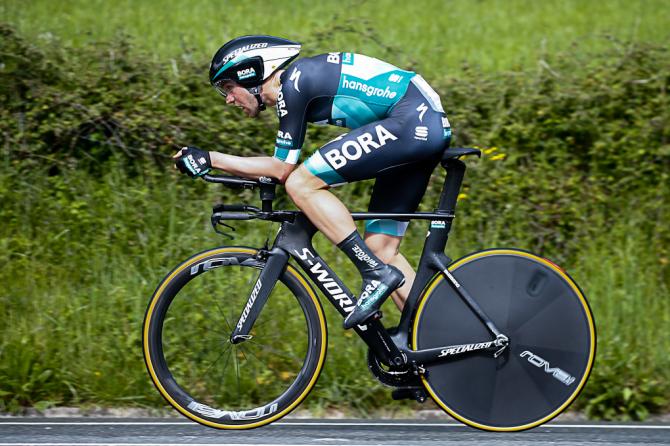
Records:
x=252, y=112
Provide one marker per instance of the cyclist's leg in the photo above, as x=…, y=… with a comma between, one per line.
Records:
x=386, y=248
x=397, y=190
x=310, y=193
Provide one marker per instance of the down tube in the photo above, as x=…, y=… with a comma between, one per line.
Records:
x=296, y=238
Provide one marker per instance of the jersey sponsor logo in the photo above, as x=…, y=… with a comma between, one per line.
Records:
x=395, y=78
x=540, y=363
x=369, y=90
x=348, y=58
x=281, y=104
x=421, y=133
x=445, y=122
x=333, y=58
x=284, y=139
x=422, y=109
x=253, y=46
x=194, y=166
x=353, y=150
x=246, y=73
x=295, y=77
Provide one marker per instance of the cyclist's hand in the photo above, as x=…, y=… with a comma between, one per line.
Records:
x=193, y=161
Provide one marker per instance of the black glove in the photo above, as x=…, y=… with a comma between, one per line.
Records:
x=194, y=162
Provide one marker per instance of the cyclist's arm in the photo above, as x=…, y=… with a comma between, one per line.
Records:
x=252, y=166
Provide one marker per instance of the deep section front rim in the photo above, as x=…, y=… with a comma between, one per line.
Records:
x=175, y=346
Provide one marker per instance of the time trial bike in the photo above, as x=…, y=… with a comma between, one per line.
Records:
x=235, y=337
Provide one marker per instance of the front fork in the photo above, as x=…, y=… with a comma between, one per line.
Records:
x=276, y=260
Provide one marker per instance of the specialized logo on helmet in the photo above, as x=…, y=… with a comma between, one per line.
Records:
x=246, y=73
x=352, y=150
x=253, y=46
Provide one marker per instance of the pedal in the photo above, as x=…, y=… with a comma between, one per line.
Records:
x=409, y=393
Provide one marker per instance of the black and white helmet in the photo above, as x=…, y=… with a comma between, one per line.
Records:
x=250, y=60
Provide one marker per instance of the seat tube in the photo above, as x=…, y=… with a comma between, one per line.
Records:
x=437, y=241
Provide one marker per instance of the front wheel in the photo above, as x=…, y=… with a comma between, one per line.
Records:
x=194, y=365
x=551, y=334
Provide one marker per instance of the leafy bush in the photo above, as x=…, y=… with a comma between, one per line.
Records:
x=576, y=165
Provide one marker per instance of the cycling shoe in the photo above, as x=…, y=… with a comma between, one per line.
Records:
x=377, y=286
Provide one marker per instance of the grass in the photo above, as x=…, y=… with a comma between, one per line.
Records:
x=76, y=288
x=436, y=37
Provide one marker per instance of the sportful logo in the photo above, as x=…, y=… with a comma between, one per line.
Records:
x=369, y=90
x=421, y=133
x=253, y=414
x=246, y=73
x=333, y=58
x=295, y=76
x=253, y=46
x=540, y=363
x=250, y=303
x=281, y=104
x=352, y=150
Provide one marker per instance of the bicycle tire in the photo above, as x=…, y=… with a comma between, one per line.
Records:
x=195, y=367
x=550, y=328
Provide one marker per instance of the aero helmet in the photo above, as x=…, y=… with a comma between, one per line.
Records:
x=250, y=60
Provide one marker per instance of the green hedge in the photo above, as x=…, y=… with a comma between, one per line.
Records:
x=576, y=166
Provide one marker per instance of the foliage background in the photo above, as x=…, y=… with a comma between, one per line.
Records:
x=569, y=101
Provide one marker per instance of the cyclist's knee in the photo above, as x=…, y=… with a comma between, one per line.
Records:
x=301, y=183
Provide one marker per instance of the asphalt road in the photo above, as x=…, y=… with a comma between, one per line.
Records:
x=83, y=431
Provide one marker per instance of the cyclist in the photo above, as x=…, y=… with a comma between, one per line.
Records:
x=398, y=133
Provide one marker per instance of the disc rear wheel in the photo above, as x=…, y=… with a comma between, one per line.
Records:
x=551, y=340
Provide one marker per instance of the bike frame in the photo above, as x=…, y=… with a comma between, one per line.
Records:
x=294, y=240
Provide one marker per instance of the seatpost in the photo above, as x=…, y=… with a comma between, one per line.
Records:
x=433, y=259
x=452, y=184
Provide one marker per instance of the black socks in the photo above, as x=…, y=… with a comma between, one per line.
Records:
x=356, y=249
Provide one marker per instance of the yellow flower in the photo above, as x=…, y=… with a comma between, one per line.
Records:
x=462, y=196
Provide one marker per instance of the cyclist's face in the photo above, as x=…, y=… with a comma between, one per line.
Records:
x=240, y=97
